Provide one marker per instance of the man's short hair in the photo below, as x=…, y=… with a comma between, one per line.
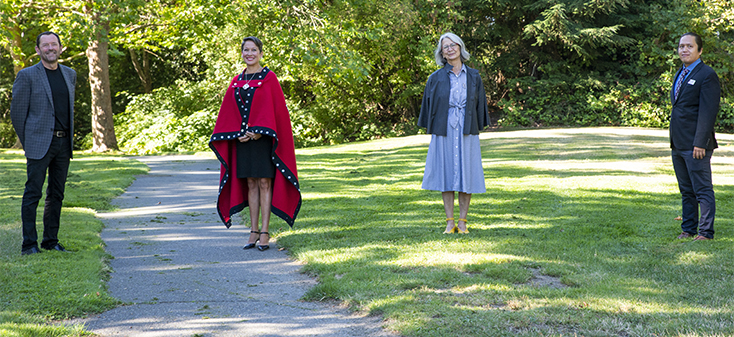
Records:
x=38, y=38
x=699, y=41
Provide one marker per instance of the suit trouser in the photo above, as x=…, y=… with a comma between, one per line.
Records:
x=56, y=162
x=696, y=189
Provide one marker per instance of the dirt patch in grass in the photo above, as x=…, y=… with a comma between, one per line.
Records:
x=540, y=280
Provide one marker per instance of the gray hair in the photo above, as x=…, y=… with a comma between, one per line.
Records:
x=440, y=60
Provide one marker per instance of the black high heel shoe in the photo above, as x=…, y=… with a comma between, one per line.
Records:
x=252, y=245
x=263, y=248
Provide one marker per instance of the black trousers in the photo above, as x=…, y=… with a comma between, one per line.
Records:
x=56, y=162
x=697, y=190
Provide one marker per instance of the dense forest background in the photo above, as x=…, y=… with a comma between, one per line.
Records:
x=151, y=74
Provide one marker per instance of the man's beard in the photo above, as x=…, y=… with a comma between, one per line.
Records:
x=45, y=57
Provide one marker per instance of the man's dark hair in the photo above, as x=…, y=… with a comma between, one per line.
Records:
x=254, y=40
x=38, y=38
x=699, y=41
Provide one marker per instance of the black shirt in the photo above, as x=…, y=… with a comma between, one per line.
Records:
x=60, y=94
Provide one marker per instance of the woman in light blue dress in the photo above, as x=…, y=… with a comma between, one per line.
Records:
x=454, y=110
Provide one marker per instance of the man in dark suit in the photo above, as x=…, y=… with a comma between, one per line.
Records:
x=42, y=111
x=695, y=97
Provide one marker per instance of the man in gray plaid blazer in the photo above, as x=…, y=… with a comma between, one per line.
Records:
x=42, y=111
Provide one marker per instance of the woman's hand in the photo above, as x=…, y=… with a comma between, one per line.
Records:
x=249, y=136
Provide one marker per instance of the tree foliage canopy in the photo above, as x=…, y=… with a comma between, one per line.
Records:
x=355, y=69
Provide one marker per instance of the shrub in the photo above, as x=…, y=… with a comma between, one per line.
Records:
x=170, y=119
x=591, y=101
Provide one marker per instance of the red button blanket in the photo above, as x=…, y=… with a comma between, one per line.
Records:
x=257, y=104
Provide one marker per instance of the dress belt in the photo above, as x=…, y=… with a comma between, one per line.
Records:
x=60, y=133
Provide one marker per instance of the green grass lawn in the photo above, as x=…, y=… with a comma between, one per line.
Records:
x=575, y=235
x=36, y=290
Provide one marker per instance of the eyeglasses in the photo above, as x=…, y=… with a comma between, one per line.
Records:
x=449, y=46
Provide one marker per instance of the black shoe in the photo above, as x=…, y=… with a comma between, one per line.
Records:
x=252, y=245
x=263, y=247
x=29, y=251
x=57, y=247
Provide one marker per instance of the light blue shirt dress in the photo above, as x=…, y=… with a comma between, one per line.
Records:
x=454, y=161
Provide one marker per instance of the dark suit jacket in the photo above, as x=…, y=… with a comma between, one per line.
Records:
x=32, y=109
x=434, y=114
x=694, y=112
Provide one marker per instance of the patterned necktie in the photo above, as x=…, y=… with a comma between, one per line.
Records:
x=678, y=84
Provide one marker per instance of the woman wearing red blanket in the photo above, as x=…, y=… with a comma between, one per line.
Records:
x=253, y=141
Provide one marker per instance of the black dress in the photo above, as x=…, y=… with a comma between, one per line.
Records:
x=254, y=158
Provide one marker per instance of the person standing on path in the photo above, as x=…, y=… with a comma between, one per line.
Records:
x=695, y=97
x=42, y=112
x=454, y=110
x=253, y=141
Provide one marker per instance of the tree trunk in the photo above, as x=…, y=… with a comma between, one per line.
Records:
x=18, y=144
x=15, y=47
x=16, y=51
x=103, y=125
x=143, y=69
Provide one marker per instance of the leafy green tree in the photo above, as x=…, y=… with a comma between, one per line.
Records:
x=178, y=117
x=352, y=70
x=18, y=19
x=321, y=52
x=87, y=24
x=15, y=17
x=168, y=29
x=355, y=69
x=556, y=62
x=714, y=20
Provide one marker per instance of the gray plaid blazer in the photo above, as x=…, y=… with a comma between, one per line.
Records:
x=32, y=109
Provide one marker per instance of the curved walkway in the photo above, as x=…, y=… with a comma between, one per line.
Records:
x=182, y=273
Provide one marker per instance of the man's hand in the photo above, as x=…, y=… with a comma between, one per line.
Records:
x=698, y=153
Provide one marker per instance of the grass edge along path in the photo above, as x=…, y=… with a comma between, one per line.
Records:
x=592, y=210
x=36, y=291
